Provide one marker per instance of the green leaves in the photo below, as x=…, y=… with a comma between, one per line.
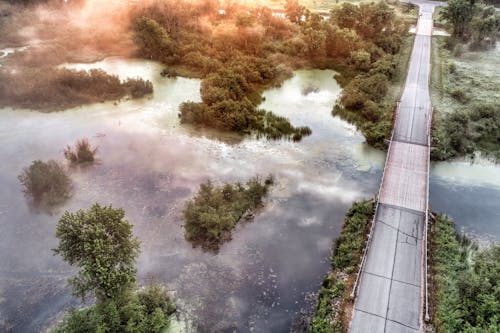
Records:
x=212, y=214
x=153, y=40
x=100, y=242
x=346, y=254
x=465, y=281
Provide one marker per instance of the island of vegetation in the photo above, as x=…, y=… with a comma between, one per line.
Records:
x=464, y=84
x=47, y=183
x=242, y=50
x=332, y=312
x=100, y=242
x=212, y=214
x=465, y=289
x=52, y=89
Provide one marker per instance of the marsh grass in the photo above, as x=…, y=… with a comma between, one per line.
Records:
x=83, y=152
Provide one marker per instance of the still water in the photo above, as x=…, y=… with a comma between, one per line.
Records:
x=262, y=280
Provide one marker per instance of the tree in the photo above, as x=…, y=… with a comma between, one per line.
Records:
x=100, y=242
x=46, y=182
x=459, y=14
x=294, y=11
x=153, y=40
x=485, y=25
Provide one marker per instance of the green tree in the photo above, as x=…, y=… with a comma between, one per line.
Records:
x=485, y=25
x=153, y=40
x=100, y=242
x=459, y=14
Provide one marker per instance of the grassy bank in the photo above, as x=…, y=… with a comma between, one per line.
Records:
x=465, y=290
x=466, y=100
x=332, y=313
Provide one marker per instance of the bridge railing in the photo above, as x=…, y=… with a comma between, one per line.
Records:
x=370, y=234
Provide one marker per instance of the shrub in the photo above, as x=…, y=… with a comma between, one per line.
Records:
x=46, y=182
x=84, y=152
x=460, y=95
x=147, y=310
x=215, y=210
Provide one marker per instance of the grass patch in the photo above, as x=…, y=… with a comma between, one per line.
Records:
x=213, y=213
x=464, y=280
x=334, y=297
x=466, y=99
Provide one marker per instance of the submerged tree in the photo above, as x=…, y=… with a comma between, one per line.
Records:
x=100, y=242
x=215, y=210
x=46, y=182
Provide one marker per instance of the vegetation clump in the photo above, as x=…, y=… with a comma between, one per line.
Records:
x=83, y=152
x=465, y=281
x=466, y=103
x=468, y=130
x=472, y=21
x=49, y=89
x=246, y=49
x=46, y=182
x=333, y=297
x=212, y=214
x=100, y=242
x=372, y=66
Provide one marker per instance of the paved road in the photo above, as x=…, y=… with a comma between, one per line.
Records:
x=390, y=293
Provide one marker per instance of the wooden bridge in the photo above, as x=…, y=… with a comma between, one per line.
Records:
x=391, y=285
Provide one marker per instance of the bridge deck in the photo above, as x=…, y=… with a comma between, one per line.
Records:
x=390, y=290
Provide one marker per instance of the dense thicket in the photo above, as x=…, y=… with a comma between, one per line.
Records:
x=473, y=128
x=212, y=214
x=100, y=242
x=328, y=316
x=243, y=50
x=472, y=21
x=373, y=65
x=465, y=282
x=49, y=89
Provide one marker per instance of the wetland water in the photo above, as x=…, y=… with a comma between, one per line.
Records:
x=149, y=164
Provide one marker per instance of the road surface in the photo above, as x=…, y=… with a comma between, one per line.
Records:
x=391, y=286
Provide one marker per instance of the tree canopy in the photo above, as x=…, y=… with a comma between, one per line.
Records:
x=100, y=242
